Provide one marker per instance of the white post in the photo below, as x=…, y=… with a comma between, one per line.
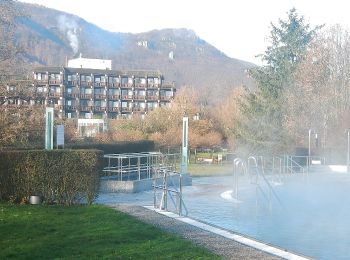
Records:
x=348, y=153
x=184, y=145
x=49, y=128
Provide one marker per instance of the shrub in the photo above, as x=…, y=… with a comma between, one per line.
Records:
x=61, y=176
x=119, y=147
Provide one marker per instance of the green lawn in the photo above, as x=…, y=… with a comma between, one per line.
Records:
x=197, y=169
x=85, y=232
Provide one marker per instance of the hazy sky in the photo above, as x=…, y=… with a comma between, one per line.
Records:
x=238, y=28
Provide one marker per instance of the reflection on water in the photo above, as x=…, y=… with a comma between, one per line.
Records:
x=314, y=218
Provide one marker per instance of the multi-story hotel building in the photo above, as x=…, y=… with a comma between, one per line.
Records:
x=101, y=93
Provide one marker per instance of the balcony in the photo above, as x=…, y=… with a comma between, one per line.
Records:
x=55, y=94
x=126, y=97
x=41, y=81
x=114, y=85
x=113, y=97
x=126, y=109
x=126, y=85
x=100, y=96
x=152, y=85
x=139, y=109
x=86, y=108
x=55, y=82
x=85, y=83
x=73, y=83
x=139, y=85
x=72, y=95
x=71, y=108
x=99, y=109
x=152, y=97
x=85, y=96
x=139, y=97
x=113, y=109
x=165, y=98
x=100, y=84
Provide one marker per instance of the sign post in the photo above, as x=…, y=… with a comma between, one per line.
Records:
x=49, y=128
x=60, y=136
x=184, y=145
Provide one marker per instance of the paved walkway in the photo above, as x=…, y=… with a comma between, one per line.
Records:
x=225, y=247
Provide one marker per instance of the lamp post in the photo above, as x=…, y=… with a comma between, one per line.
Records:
x=309, y=151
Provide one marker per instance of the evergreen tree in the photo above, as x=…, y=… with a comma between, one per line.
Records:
x=262, y=127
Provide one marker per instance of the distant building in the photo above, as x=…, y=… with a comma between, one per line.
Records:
x=94, y=93
x=85, y=63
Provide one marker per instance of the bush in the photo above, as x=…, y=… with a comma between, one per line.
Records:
x=120, y=147
x=60, y=176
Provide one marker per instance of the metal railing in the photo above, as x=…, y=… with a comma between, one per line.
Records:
x=258, y=173
x=165, y=187
x=239, y=167
x=137, y=166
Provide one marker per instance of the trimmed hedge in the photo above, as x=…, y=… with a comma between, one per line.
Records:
x=120, y=147
x=58, y=176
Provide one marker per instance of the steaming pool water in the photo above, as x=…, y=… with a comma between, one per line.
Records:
x=310, y=216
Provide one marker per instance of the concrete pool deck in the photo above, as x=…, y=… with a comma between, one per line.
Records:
x=222, y=242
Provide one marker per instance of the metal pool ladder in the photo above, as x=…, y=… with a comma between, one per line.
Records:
x=253, y=165
x=168, y=184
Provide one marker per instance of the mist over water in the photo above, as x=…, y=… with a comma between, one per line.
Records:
x=313, y=220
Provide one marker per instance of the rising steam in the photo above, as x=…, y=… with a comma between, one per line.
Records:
x=69, y=27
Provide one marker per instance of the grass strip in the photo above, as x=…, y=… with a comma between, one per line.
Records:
x=86, y=232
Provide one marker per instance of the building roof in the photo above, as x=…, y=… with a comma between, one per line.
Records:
x=136, y=73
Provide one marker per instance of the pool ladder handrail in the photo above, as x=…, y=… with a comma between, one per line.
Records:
x=261, y=173
x=179, y=203
x=238, y=164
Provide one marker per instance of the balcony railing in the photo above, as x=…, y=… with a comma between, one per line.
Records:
x=165, y=98
x=72, y=95
x=86, y=108
x=113, y=109
x=85, y=96
x=139, y=85
x=73, y=108
x=99, y=108
x=139, y=109
x=152, y=97
x=54, y=94
x=127, y=97
x=55, y=82
x=100, y=96
x=126, y=85
x=114, y=97
x=41, y=81
x=113, y=84
x=73, y=83
x=139, y=97
x=100, y=84
x=126, y=109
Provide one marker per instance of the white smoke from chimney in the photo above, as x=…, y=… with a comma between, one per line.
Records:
x=69, y=27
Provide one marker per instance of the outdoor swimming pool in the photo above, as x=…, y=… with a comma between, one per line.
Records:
x=311, y=215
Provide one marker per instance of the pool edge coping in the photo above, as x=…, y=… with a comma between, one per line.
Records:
x=283, y=253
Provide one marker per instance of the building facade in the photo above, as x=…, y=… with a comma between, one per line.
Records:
x=95, y=93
